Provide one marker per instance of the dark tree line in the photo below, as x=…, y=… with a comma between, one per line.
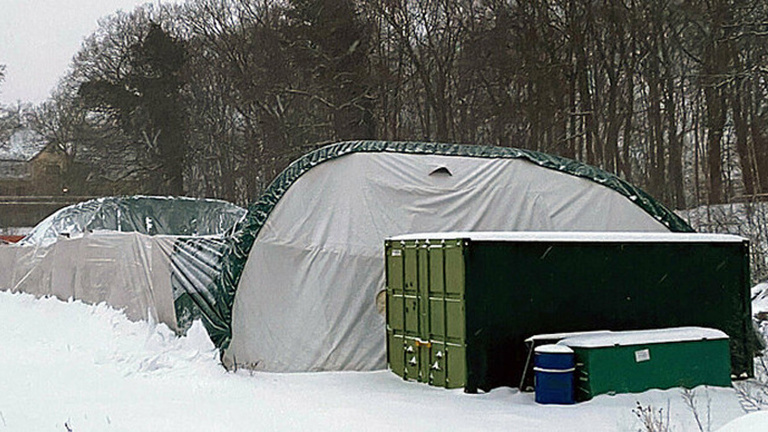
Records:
x=215, y=97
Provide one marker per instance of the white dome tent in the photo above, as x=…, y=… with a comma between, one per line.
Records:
x=308, y=262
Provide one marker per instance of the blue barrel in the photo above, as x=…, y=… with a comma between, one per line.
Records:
x=553, y=374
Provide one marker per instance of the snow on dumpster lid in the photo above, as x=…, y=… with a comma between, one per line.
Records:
x=644, y=337
x=574, y=236
x=559, y=336
x=553, y=349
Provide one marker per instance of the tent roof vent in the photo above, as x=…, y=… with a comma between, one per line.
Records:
x=441, y=172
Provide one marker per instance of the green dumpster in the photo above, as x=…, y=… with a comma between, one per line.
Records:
x=635, y=361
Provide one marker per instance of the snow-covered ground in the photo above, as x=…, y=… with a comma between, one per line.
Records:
x=753, y=422
x=71, y=366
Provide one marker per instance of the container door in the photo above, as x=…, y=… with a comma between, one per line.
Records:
x=453, y=313
x=442, y=301
x=402, y=311
x=411, y=289
x=395, y=307
x=437, y=354
x=425, y=312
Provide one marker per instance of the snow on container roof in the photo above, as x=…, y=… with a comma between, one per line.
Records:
x=643, y=337
x=551, y=236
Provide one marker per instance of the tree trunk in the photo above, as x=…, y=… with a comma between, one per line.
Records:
x=715, y=124
x=742, y=145
x=677, y=199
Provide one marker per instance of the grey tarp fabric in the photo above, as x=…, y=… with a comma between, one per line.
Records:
x=141, y=254
x=308, y=259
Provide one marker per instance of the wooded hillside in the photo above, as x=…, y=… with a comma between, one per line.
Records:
x=214, y=97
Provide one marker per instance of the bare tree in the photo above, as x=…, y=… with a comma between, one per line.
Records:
x=669, y=95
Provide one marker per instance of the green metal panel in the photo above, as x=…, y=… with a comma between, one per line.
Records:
x=636, y=368
x=412, y=358
x=423, y=292
x=437, y=373
x=396, y=359
x=436, y=292
x=395, y=300
x=454, y=292
x=410, y=273
x=457, y=365
x=425, y=313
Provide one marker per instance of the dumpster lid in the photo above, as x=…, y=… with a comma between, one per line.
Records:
x=558, y=336
x=643, y=337
x=575, y=236
x=553, y=349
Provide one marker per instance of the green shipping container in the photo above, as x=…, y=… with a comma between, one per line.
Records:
x=635, y=361
x=460, y=305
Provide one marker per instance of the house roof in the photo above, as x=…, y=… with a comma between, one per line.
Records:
x=22, y=146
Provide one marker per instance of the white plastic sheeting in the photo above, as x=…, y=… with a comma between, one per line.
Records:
x=306, y=300
x=152, y=215
x=128, y=271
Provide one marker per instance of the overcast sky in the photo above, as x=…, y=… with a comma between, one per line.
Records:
x=38, y=38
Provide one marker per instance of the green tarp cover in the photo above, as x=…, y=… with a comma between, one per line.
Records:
x=195, y=264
